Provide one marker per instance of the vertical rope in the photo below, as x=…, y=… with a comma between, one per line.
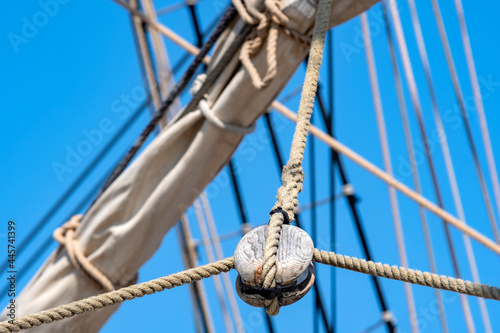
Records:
x=478, y=101
x=447, y=156
x=418, y=110
x=293, y=175
x=388, y=167
x=413, y=164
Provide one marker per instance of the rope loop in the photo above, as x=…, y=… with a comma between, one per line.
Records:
x=65, y=236
x=268, y=24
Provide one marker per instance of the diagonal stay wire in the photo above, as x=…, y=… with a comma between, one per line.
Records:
x=76, y=183
x=179, y=87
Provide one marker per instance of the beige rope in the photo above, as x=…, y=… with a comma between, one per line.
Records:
x=292, y=175
x=268, y=26
x=65, y=236
x=225, y=265
x=407, y=275
x=117, y=296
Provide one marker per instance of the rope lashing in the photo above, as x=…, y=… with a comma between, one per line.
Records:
x=292, y=175
x=225, y=265
x=65, y=236
x=207, y=112
x=267, y=25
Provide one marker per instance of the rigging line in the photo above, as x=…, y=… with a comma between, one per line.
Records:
x=460, y=99
x=198, y=293
x=187, y=54
x=379, y=173
x=202, y=314
x=223, y=266
x=410, y=78
x=418, y=110
x=77, y=182
x=331, y=94
x=211, y=258
x=164, y=74
x=370, y=58
x=352, y=203
x=214, y=238
x=414, y=169
x=314, y=228
x=179, y=87
x=367, y=165
x=279, y=165
x=244, y=222
x=478, y=101
x=164, y=30
x=447, y=156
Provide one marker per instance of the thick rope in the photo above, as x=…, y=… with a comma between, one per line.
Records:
x=396, y=217
x=407, y=275
x=414, y=170
x=225, y=265
x=117, y=296
x=292, y=175
x=65, y=236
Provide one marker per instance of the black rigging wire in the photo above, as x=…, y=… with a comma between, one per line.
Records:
x=331, y=94
x=280, y=164
x=76, y=183
x=352, y=200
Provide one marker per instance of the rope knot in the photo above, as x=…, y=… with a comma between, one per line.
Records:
x=268, y=24
x=65, y=236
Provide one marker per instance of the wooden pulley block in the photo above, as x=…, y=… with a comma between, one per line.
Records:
x=294, y=268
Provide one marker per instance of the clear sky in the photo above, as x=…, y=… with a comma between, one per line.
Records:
x=65, y=72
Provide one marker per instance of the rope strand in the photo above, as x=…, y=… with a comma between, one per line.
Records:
x=224, y=266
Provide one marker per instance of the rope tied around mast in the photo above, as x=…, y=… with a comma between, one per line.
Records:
x=65, y=236
x=268, y=24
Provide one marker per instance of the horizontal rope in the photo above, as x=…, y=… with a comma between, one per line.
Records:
x=117, y=296
x=407, y=275
x=225, y=265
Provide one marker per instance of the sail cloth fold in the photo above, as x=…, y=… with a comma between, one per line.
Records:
x=126, y=225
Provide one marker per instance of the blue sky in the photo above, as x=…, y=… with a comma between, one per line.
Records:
x=77, y=70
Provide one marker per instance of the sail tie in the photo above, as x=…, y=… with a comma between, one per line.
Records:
x=65, y=235
x=267, y=24
x=209, y=115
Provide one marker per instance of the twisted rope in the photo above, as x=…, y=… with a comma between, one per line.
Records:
x=225, y=265
x=268, y=25
x=117, y=296
x=292, y=175
x=407, y=275
x=65, y=236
